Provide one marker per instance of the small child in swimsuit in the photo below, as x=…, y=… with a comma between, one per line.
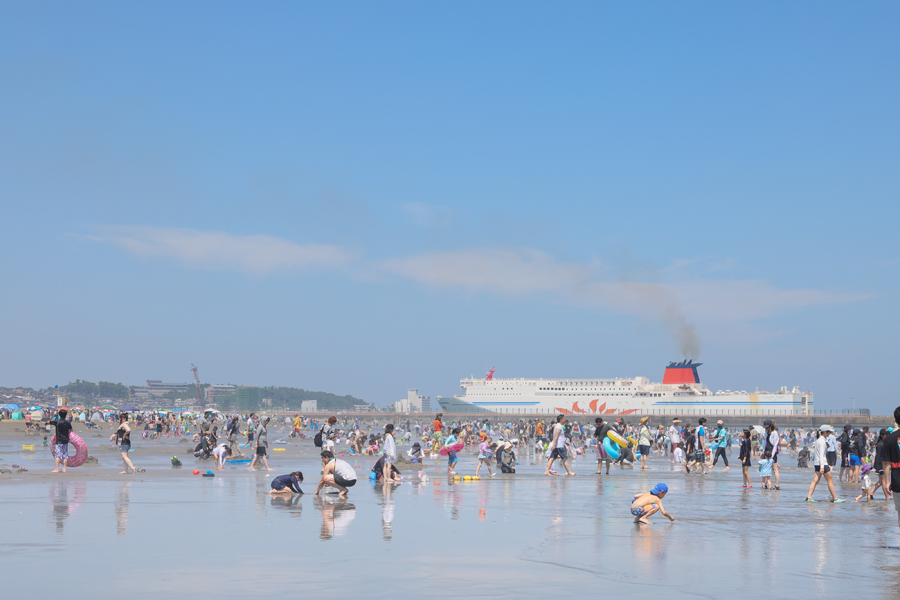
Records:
x=647, y=503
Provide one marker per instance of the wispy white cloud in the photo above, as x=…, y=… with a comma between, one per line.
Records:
x=505, y=271
x=253, y=254
x=677, y=304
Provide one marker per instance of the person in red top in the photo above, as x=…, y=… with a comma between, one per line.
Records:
x=438, y=433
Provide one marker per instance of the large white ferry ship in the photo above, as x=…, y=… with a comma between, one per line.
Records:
x=680, y=393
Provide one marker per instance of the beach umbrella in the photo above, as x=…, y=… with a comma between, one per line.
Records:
x=128, y=408
x=108, y=407
x=12, y=406
x=759, y=429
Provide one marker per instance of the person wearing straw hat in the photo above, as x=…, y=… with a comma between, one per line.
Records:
x=645, y=439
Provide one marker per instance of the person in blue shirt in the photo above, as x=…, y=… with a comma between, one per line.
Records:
x=287, y=484
x=765, y=469
x=700, y=447
x=721, y=441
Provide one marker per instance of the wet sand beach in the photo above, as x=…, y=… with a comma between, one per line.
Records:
x=166, y=532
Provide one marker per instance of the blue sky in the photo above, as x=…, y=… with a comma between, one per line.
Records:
x=362, y=198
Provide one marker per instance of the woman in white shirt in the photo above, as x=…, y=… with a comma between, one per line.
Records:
x=820, y=464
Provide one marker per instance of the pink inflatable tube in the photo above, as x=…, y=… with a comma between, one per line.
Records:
x=80, y=450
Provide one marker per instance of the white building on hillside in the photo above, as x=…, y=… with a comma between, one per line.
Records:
x=413, y=403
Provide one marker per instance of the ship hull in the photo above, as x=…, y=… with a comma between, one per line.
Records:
x=622, y=397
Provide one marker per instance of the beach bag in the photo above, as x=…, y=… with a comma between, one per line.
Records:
x=317, y=441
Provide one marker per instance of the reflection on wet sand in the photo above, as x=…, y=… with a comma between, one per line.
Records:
x=65, y=496
x=387, y=513
x=289, y=502
x=122, y=500
x=337, y=514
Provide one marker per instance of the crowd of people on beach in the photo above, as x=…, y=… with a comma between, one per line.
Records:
x=862, y=457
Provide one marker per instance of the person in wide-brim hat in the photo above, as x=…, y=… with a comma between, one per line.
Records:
x=643, y=420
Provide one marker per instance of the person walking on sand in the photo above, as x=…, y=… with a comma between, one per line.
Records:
x=389, y=450
x=674, y=436
x=484, y=455
x=773, y=444
x=648, y=503
x=721, y=444
x=645, y=439
x=600, y=431
x=558, y=445
x=820, y=464
x=438, y=435
x=845, y=454
x=61, y=445
x=262, y=442
x=744, y=456
x=232, y=435
x=122, y=436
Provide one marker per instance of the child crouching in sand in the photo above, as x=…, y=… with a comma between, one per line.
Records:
x=647, y=503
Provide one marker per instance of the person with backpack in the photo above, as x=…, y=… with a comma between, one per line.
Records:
x=326, y=435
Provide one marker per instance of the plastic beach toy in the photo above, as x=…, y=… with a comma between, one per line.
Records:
x=616, y=438
x=452, y=448
x=611, y=449
x=81, y=451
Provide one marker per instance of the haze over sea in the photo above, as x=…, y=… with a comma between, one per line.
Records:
x=366, y=198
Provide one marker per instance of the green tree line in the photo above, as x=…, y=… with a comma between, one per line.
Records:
x=87, y=389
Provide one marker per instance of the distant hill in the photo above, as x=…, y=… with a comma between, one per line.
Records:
x=246, y=398
x=283, y=398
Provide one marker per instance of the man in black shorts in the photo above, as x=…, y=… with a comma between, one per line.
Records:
x=891, y=462
x=336, y=473
x=262, y=442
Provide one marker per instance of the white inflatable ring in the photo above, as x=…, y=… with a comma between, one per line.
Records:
x=616, y=438
x=81, y=452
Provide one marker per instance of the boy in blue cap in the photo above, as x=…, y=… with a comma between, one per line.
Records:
x=647, y=503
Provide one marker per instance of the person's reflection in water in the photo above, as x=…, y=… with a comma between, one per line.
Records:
x=289, y=502
x=64, y=499
x=387, y=511
x=337, y=514
x=122, y=500
x=648, y=544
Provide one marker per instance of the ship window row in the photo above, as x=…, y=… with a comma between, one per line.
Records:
x=562, y=389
